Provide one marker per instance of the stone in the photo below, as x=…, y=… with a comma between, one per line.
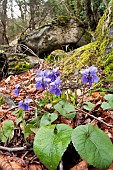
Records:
x=99, y=52
x=59, y=34
x=19, y=63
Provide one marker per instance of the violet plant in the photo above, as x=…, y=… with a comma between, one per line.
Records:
x=89, y=75
x=25, y=104
x=17, y=89
x=92, y=144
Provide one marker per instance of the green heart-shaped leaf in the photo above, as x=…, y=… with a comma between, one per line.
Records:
x=65, y=109
x=93, y=145
x=88, y=106
x=48, y=118
x=50, y=144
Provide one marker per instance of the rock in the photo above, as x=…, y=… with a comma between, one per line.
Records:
x=56, y=55
x=58, y=34
x=6, y=99
x=19, y=62
x=99, y=52
x=3, y=65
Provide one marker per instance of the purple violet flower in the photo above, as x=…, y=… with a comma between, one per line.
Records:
x=42, y=83
x=48, y=80
x=54, y=74
x=89, y=75
x=24, y=104
x=17, y=89
x=42, y=79
x=55, y=87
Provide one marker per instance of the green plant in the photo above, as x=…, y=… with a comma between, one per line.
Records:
x=7, y=131
x=52, y=138
x=92, y=144
x=109, y=104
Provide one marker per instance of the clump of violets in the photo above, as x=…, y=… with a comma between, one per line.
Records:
x=25, y=104
x=55, y=87
x=42, y=79
x=89, y=75
x=45, y=80
x=49, y=80
x=17, y=89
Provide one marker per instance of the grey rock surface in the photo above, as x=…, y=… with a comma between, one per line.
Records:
x=56, y=35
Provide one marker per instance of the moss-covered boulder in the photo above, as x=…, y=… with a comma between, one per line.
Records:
x=19, y=62
x=99, y=52
x=56, y=56
x=56, y=34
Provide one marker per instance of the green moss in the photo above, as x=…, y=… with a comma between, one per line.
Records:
x=107, y=63
x=56, y=56
x=98, y=53
x=82, y=57
x=62, y=20
x=22, y=66
x=87, y=36
x=106, y=41
x=101, y=30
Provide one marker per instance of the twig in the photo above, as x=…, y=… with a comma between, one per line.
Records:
x=77, y=109
x=13, y=149
x=28, y=49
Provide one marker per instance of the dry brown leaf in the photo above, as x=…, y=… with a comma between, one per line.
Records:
x=2, y=111
x=94, y=122
x=97, y=96
x=12, y=117
x=35, y=167
x=6, y=164
x=16, y=166
x=67, y=121
x=80, y=166
x=31, y=88
x=111, y=167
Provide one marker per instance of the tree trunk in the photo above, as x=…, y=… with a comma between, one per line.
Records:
x=4, y=22
x=89, y=14
x=32, y=13
x=78, y=8
x=95, y=6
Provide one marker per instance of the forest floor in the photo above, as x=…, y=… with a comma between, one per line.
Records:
x=18, y=153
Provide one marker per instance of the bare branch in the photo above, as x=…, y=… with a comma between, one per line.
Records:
x=13, y=149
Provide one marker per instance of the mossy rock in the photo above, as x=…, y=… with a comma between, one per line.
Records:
x=62, y=21
x=55, y=34
x=99, y=52
x=22, y=66
x=18, y=63
x=18, y=67
x=56, y=55
x=85, y=55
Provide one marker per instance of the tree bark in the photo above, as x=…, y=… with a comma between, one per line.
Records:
x=32, y=4
x=4, y=22
x=89, y=14
x=78, y=8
